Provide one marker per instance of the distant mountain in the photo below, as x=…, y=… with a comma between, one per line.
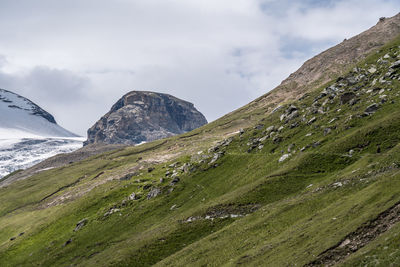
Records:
x=29, y=134
x=21, y=118
x=145, y=116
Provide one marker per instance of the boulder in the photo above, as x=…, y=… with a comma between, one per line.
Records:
x=284, y=157
x=133, y=196
x=154, y=193
x=346, y=97
x=80, y=224
x=371, y=109
x=312, y=120
x=174, y=181
x=395, y=65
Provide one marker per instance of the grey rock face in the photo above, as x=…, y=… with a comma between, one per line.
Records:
x=145, y=116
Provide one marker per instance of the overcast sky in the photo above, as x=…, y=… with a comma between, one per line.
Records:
x=75, y=58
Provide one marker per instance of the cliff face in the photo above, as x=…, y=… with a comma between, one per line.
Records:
x=145, y=116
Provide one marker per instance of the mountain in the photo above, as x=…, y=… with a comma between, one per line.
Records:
x=141, y=116
x=29, y=134
x=20, y=117
x=311, y=179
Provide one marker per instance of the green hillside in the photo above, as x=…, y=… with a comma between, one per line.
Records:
x=316, y=182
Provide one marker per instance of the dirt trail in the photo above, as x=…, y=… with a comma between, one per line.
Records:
x=359, y=238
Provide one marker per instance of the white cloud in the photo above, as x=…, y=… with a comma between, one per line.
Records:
x=76, y=58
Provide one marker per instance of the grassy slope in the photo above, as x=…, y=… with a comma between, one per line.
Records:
x=293, y=210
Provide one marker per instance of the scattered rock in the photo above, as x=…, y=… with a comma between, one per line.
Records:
x=186, y=167
x=173, y=165
x=292, y=115
x=315, y=144
x=312, y=120
x=346, y=97
x=270, y=129
x=294, y=125
x=284, y=157
x=277, y=139
x=291, y=109
x=337, y=184
x=150, y=169
x=351, y=80
x=146, y=186
x=371, y=109
x=133, y=196
x=128, y=176
x=372, y=70
x=174, y=174
x=327, y=131
x=277, y=108
x=12, y=238
x=216, y=157
x=154, y=193
x=395, y=65
x=174, y=181
x=111, y=211
x=259, y=126
x=353, y=101
x=67, y=242
x=80, y=224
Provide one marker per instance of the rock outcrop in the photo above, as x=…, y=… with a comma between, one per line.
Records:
x=145, y=116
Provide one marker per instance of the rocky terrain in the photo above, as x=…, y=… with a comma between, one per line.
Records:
x=310, y=181
x=145, y=116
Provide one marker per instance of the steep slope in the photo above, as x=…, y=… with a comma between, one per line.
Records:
x=21, y=118
x=314, y=182
x=320, y=69
x=141, y=116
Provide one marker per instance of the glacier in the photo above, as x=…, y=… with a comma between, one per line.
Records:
x=29, y=134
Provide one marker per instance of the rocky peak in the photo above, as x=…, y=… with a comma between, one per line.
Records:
x=141, y=116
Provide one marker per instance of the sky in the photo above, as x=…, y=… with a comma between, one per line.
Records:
x=76, y=58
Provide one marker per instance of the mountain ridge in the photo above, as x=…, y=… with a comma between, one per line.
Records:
x=315, y=182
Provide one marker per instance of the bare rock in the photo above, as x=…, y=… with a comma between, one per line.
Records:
x=154, y=193
x=80, y=224
x=145, y=116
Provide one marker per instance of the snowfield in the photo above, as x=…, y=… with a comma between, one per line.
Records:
x=29, y=134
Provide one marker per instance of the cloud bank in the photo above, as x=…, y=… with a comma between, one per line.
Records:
x=76, y=58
